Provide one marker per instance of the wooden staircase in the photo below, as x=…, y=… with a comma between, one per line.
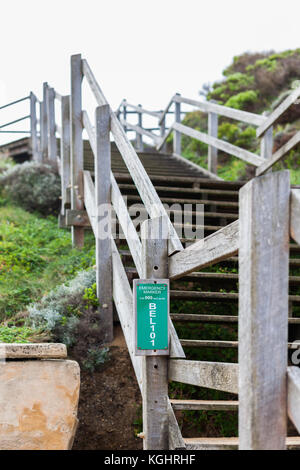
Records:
x=247, y=243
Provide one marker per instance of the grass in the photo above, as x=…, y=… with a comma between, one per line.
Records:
x=35, y=256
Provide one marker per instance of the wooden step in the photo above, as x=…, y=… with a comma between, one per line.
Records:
x=193, y=191
x=203, y=343
x=188, y=181
x=215, y=296
x=207, y=202
x=204, y=405
x=228, y=443
x=190, y=317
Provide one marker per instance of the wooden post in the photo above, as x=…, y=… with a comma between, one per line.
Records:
x=65, y=153
x=103, y=227
x=155, y=368
x=263, y=311
x=52, y=146
x=76, y=146
x=177, y=135
x=162, y=133
x=33, y=127
x=44, y=125
x=139, y=137
x=212, y=151
x=124, y=114
x=266, y=147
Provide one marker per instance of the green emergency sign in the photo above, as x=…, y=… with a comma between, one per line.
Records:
x=152, y=315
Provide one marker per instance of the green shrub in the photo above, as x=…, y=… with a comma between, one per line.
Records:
x=33, y=186
x=59, y=311
x=242, y=100
x=95, y=358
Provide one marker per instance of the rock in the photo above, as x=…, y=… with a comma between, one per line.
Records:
x=38, y=404
x=32, y=351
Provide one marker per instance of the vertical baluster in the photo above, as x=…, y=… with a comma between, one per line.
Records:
x=76, y=146
x=103, y=228
x=162, y=132
x=124, y=114
x=52, y=145
x=212, y=151
x=33, y=127
x=44, y=124
x=65, y=153
x=139, y=137
x=266, y=148
x=177, y=135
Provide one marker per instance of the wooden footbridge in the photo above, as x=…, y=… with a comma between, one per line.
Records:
x=252, y=227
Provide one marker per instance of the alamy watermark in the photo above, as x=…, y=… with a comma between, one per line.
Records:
x=124, y=222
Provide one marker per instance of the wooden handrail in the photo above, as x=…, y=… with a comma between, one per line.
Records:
x=278, y=112
x=236, y=114
x=294, y=396
x=141, y=110
x=216, y=247
x=238, y=152
x=139, y=175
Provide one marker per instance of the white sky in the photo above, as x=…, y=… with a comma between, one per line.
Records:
x=141, y=50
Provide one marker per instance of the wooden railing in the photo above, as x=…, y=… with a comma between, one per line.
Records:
x=269, y=215
x=264, y=161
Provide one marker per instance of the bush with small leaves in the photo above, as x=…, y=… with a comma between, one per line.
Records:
x=33, y=186
x=59, y=311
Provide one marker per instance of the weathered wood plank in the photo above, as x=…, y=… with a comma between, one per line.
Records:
x=89, y=199
x=273, y=117
x=215, y=375
x=263, y=291
x=293, y=398
x=52, y=143
x=65, y=152
x=124, y=304
x=176, y=441
x=126, y=223
x=266, y=145
x=139, y=109
x=212, y=249
x=295, y=215
x=166, y=110
x=208, y=107
x=103, y=221
x=163, y=139
x=265, y=166
x=43, y=124
x=177, y=133
x=79, y=218
x=213, y=151
x=155, y=368
x=33, y=128
x=139, y=137
x=228, y=443
x=76, y=146
x=207, y=405
x=226, y=147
